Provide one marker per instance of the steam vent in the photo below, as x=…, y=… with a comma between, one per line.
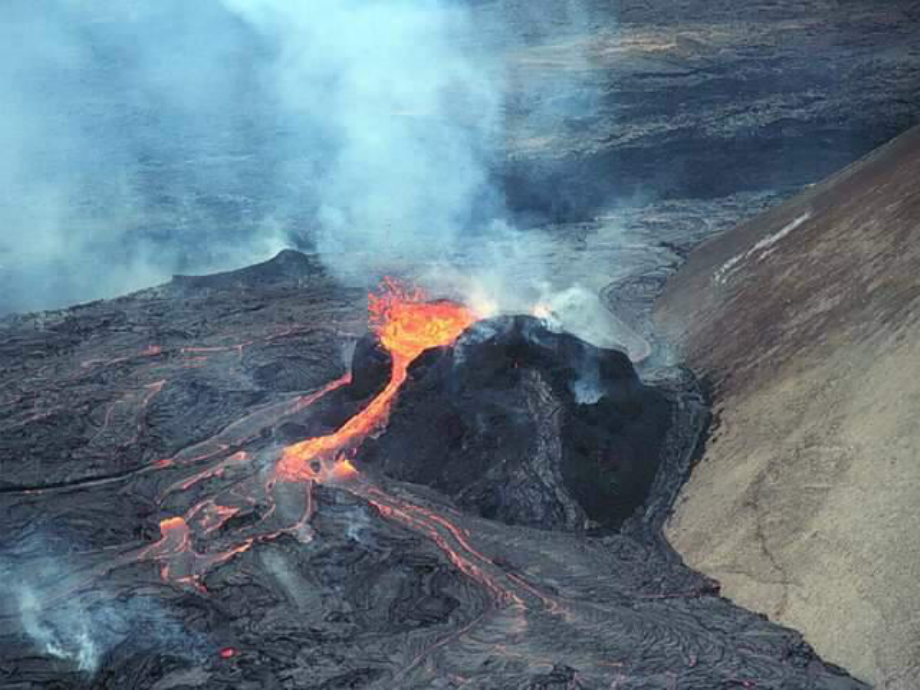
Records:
x=452, y=345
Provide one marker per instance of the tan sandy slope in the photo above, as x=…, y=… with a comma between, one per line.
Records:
x=806, y=504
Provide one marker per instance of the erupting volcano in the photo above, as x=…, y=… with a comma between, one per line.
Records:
x=475, y=502
x=406, y=325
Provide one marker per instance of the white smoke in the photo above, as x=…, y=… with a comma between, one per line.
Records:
x=62, y=633
x=80, y=625
x=127, y=146
x=411, y=105
x=154, y=138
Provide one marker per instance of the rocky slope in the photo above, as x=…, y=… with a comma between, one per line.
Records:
x=805, y=321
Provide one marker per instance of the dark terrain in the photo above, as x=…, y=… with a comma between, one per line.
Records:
x=505, y=530
x=121, y=415
x=506, y=437
x=634, y=101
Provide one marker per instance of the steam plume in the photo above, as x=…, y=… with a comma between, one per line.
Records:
x=131, y=147
x=63, y=634
x=410, y=105
x=153, y=138
x=82, y=627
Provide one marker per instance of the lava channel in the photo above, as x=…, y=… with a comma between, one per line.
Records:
x=406, y=324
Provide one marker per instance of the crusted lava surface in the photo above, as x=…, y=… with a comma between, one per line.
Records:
x=527, y=426
x=502, y=528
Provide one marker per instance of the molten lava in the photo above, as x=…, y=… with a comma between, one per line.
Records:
x=406, y=325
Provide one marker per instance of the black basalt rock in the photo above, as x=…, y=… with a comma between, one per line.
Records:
x=527, y=426
x=370, y=370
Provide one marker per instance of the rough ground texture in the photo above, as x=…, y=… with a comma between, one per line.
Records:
x=119, y=417
x=646, y=128
x=806, y=322
x=698, y=99
x=529, y=427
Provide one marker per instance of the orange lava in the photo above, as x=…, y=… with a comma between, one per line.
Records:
x=179, y=562
x=406, y=325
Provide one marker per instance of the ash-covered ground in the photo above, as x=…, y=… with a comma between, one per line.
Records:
x=502, y=531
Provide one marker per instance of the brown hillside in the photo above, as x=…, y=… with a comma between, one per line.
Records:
x=805, y=504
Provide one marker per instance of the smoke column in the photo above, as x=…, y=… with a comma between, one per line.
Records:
x=145, y=139
x=410, y=105
x=83, y=626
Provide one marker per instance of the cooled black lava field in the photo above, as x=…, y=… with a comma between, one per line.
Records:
x=501, y=531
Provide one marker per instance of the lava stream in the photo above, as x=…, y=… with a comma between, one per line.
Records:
x=406, y=325
x=179, y=561
x=465, y=558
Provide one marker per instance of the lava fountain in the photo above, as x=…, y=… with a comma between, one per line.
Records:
x=406, y=324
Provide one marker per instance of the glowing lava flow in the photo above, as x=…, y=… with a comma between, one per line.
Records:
x=406, y=325
x=179, y=562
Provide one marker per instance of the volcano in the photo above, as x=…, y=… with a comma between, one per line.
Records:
x=527, y=426
x=202, y=494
